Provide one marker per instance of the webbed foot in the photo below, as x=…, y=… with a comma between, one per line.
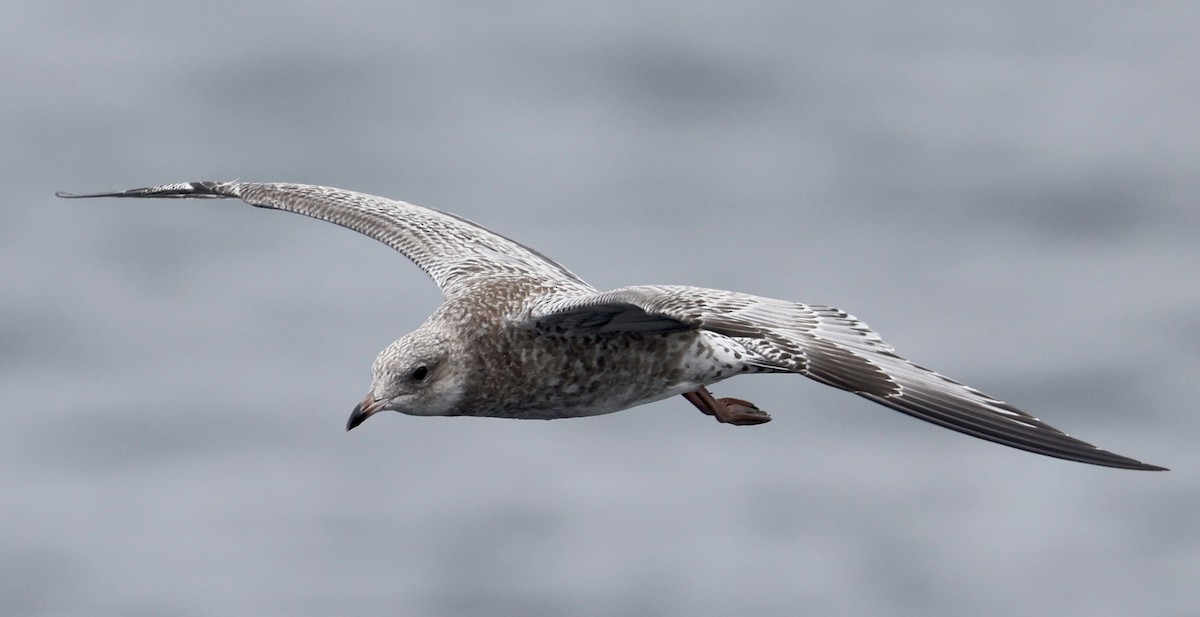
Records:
x=733, y=411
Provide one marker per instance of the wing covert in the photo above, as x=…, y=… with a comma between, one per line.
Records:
x=450, y=249
x=827, y=345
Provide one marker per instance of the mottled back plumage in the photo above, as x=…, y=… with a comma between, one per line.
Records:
x=521, y=336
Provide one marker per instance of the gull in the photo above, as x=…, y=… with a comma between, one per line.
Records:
x=520, y=336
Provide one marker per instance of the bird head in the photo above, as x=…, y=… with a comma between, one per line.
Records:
x=413, y=375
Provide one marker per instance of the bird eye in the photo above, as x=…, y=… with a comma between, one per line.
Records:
x=420, y=373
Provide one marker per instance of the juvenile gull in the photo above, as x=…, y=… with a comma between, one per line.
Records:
x=520, y=336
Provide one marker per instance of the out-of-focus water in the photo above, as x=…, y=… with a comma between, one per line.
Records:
x=1007, y=192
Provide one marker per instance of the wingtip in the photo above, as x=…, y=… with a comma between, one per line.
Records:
x=1104, y=458
x=181, y=189
x=1091, y=455
x=66, y=195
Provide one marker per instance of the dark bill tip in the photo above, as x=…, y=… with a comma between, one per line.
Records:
x=358, y=416
x=364, y=410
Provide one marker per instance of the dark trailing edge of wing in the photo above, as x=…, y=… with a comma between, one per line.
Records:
x=911, y=389
x=1015, y=428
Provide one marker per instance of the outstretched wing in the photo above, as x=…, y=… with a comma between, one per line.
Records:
x=450, y=249
x=827, y=345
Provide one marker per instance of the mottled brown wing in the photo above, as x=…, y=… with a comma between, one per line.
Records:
x=827, y=345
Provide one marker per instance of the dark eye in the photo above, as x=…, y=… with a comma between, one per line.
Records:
x=420, y=373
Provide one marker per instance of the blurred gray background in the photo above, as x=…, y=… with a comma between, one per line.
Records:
x=1007, y=191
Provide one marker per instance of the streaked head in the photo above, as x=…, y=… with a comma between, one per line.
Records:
x=414, y=375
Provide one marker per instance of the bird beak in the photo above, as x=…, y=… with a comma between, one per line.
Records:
x=364, y=410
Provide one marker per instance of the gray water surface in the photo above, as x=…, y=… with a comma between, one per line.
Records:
x=1006, y=191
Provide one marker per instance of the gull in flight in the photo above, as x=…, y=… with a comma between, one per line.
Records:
x=520, y=336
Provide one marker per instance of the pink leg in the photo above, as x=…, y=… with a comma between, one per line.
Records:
x=727, y=410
